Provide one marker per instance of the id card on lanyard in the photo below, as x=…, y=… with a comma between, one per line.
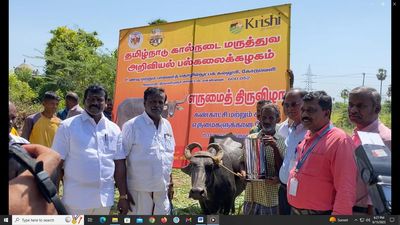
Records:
x=293, y=181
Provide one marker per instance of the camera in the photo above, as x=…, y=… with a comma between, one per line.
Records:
x=374, y=164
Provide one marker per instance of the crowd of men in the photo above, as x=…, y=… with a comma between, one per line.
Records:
x=318, y=174
x=314, y=169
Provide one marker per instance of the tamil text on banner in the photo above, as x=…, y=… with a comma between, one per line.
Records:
x=213, y=69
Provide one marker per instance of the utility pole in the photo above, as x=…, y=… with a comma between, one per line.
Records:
x=363, y=78
x=308, y=80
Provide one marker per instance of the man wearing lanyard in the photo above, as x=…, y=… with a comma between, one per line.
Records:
x=292, y=103
x=324, y=178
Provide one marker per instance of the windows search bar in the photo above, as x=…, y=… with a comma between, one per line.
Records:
x=48, y=220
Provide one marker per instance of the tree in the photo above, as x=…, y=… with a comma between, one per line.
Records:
x=23, y=97
x=20, y=91
x=344, y=94
x=381, y=75
x=73, y=62
x=157, y=21
x=340, y=117
x=389, y=91
x=24, y=74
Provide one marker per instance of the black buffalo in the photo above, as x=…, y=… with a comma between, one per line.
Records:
x=214, y=186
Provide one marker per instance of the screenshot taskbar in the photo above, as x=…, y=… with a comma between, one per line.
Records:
x=194, y=220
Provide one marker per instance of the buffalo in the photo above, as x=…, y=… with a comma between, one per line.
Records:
x=132, y=107
x=215, y=186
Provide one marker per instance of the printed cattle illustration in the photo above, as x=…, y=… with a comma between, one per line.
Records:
x=132, y=107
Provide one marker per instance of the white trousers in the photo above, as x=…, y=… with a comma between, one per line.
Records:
x=96, y=211
x=150, y=203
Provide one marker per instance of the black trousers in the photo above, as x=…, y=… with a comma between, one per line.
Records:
x=296, y=211
x=284, y=207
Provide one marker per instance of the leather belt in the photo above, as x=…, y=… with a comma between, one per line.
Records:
x=298, y=211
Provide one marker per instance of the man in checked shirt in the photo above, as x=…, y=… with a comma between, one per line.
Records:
x=261, y=196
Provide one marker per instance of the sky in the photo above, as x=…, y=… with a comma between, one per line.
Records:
x=339, y=40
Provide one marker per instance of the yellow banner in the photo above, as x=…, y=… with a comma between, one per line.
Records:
x=214, y=71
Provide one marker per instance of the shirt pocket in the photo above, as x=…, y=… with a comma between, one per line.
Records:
x=110, y=144
x=169, y=143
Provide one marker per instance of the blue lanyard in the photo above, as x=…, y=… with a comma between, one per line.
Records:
x=305, y=156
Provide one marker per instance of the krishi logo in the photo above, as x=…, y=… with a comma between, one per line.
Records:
x=135, y=39
x=263, y=22
x=156, y=37
x=235, y=27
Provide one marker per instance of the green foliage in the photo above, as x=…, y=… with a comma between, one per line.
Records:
x=20, y=91
x=340, y=117
x=36, y=82
x=387, y=107
x=24, y=74
x=23, y=97
x=61, y=103
x=386, y=113
x=157, y=21
x=47, y=86
x=73, y=62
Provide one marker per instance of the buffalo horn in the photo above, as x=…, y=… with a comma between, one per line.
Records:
x=181, y=101
x=220, y=153
x=189, y=148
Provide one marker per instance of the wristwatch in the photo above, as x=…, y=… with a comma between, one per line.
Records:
x=125, y=196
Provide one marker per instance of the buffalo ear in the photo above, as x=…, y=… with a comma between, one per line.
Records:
x=187, y=169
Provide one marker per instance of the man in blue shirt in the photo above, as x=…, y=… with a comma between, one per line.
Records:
x=292, y=102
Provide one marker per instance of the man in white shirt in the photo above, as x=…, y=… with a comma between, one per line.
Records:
x=149, y=145
x=90, y=149
x=292, y=102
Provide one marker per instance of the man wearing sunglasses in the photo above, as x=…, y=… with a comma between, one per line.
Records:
x=292, y=103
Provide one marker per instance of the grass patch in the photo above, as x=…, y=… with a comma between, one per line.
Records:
x=182, y=204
